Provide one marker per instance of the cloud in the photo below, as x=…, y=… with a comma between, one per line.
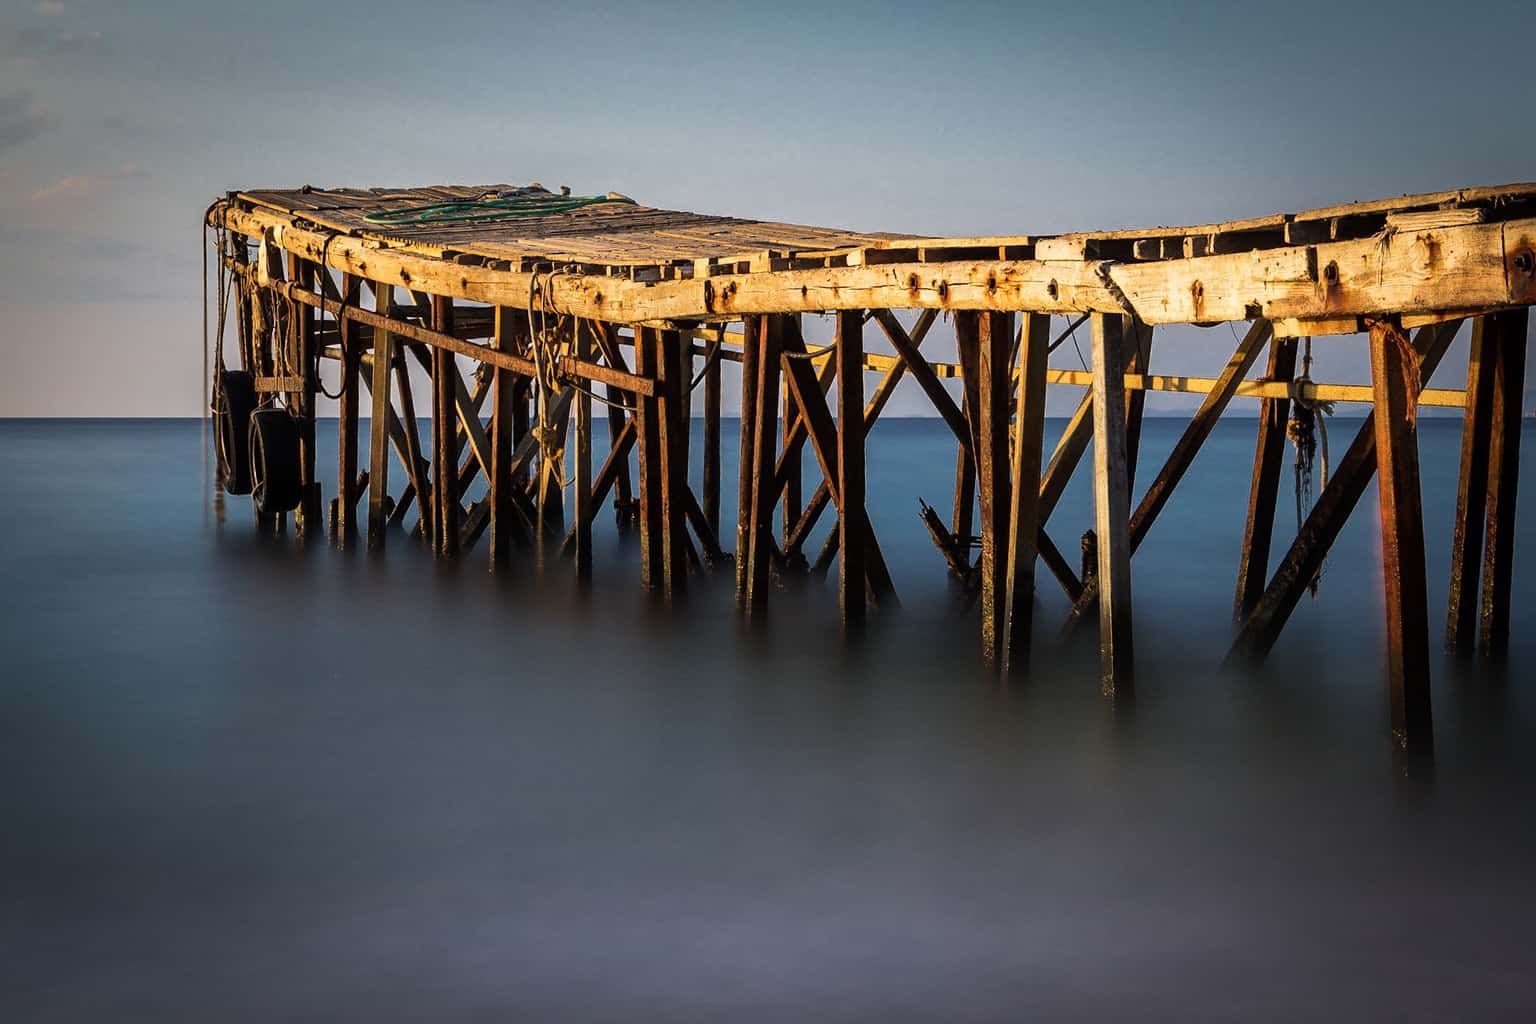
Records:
x=21, y=119
x=32, y=43
x=49, y=8
x=78, y=188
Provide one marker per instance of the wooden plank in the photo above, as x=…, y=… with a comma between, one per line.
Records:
x=378, y=424
x=1024, y=523
x=648, y=444
x=1394, y=376
x=1503, y=476
x=1351, y=475
x=1264, y=487
x=852, y=518
x=747, y=461
x=1471, y=491
x=772, y=330
x=1111, y=506
x=989, y=338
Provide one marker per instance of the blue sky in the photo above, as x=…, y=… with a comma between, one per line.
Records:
x=119, y=121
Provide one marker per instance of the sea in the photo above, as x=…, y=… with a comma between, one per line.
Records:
x=245, y=780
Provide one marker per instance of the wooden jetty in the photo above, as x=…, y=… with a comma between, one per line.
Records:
x=554, y=295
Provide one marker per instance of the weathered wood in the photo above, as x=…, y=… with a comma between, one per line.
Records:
x=582, y=498
x=989, y=337
x=447, y=511
x=307, y=520
x=1139, y=343
x=1394, y=377
x=348, y=409
x=1351, y=475
x=1472, y=491
x=923, y=373
x=673, y=363
x=648, y=440
x=505, y=531
x=1264, y=488
x=752, y=328
x=852, y=518
x=771, y=334
x=711, y=478
x=1024, y=524
x=1111, y=506
x=616, y=461
x=380, y=414
x=416, y=462
x=1503, y=476
x=792, y=503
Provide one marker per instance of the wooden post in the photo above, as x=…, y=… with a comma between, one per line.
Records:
x=648, y=445
x=673, y=360
x=446, y=516
x=1264, y=488
x=1112, y=507
x=348, y=409
x=1471, y=491
x=1024, y=510
x=583, y=496
x=416, y=463
x=710, y=500
x=765, y=427
x=852, y=517
x=751, y=348
x=1503, y=477
x=794, y=477
x=989, y=337
x=378, y=424
x=507, y=386
x=1393, y=378
x=308, y=522
x=1139, y=340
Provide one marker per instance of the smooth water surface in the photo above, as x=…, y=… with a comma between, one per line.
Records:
x=245, y=781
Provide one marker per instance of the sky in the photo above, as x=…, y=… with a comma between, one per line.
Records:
x=120, y=121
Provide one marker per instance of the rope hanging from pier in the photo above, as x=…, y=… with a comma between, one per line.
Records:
x=1308, y=431
x=514, y=205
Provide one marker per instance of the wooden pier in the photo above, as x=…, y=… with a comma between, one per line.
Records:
x=565, y=301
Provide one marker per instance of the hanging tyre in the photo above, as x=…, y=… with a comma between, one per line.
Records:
x=234, y=399
x=274, y=451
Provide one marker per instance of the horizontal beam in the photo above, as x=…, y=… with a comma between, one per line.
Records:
x=1433, y=270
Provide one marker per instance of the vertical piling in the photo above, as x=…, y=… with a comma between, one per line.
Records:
x=1024, y=509
x=751, y=348
x=1462, y=605
x=765, y=428
x=1111, y=506
x=673, y=360
x=648, y=453
x=711, y=481
x=1503, y=476
x=308, y=523
x=504, y=423
x=378, y=423
x=445, y=460
x=990, y=337
x=852, y=517
x=1264, y=488
x=348, y=410
x=583, y=468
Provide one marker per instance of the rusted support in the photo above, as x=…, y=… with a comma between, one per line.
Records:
x=852, y=518
x=307, y=520
x=770, y=340
x=1111, y=507
x=378, y=426
x=1351, y=475
x=790, y=464
x=582, y=498
x=1138, y=338
x=1264, y=488
x=673, y=360
x=607, y=476
x=986, y=340
x=348, y=408
x=1503, y=477
x=1024, y=526
x=751, y=350
x=649, y=445
x=416, y=463
x=1394, y=380
x=1471, y=491
x=962, y=518
x=618, y=420
x=711, y=481
x=446, y=513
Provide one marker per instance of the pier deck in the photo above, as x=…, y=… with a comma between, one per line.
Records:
x=562, y=300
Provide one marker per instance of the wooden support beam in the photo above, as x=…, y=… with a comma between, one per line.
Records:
x=790, y=464
x=307, y=520
x=674, y=364
x=852, y=517
x=1471, y=492
x=1394, y=377
x=771, y=333
x=1111, y=507
x=711, y=480
x=348, y=409
x=988, y=338
x=509, y=388
x=1264, y=488
x=1138, y=338
x=1503, y=477
x=607, y=476
x=445, y=375
x=922, y=372
x=618, y=420
x=416, y=462
x=1024, y=524
x=380, y=414
x=583, y=468
x=649, y=443
x=751, y=352
x=1351, y=475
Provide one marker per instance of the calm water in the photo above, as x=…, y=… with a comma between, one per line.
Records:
x=243, y=781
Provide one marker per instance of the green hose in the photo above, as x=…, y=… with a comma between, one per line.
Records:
x=503, y=208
